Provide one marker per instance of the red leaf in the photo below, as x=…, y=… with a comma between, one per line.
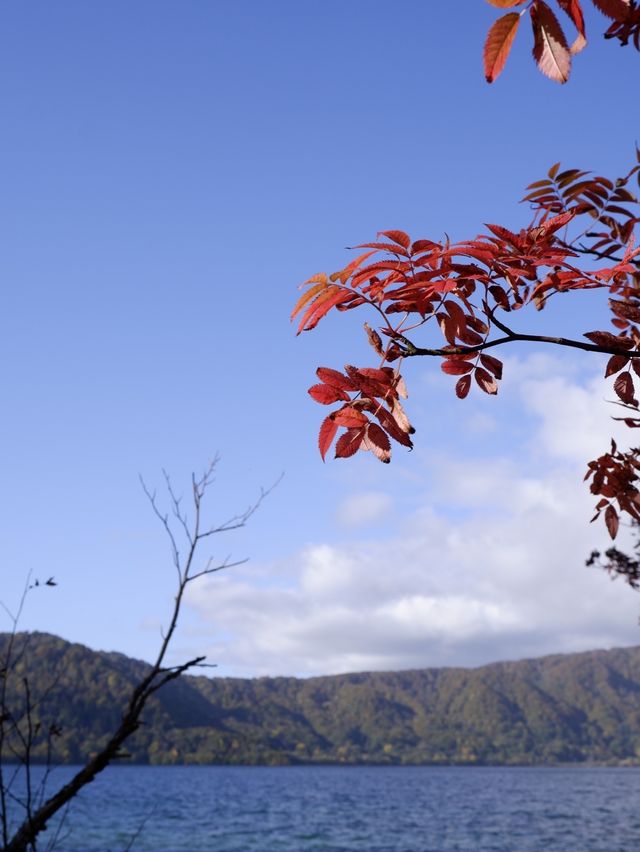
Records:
x=550, y=48
x=605, y=338
x=617, y=10
x=574, y=11
x=333, y=377
x=492, y=364
x=498, y=44
x=331, y=297
x=623, y=386
x=326, y=394
x=322, y=284
x=399, y=237
x=615, y=364
x=626, y=310
x=505, y=4
x=462, y=386
x=349, y=443
x=349, y=417
x=377, y=441
x=611, y=520
x=486, y=381
x=328, y=431
x=393, y=426
x=456, y=368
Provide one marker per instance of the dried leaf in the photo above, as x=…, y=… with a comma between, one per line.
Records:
x=611, y=520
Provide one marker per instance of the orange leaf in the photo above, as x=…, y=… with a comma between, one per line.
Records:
x=321, y=306
x=322, y=284
x=397, y=237
x=550, y=48
x=498, y=44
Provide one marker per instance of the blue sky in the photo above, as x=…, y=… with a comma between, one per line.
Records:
x=171, y=172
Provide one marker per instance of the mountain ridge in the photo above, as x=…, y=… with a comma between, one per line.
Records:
x=560, y=708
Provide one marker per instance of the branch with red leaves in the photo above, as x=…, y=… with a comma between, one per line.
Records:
x=457, y=296
x=551, y=50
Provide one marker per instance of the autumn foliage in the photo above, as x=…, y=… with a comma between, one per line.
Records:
x=463, y=298
x=552, y=51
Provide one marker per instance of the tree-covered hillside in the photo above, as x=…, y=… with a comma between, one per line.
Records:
x=564, y=708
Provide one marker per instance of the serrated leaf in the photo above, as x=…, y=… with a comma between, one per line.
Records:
x=327, y=394
x=377, y=441
x=623, y=386
x=398, y=237
x=550, y=49
x=335, y=378
x=617, y=10
x=350, y=417
x=390, y=425
x=349, y=443
x=311, y=292
x=327, y=433
x=574, y=11
x=320, y=307
x=498, y=44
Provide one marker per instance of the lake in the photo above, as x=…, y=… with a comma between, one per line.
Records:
x=354, y=809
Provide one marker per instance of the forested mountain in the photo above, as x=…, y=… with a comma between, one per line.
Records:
x=563, y=708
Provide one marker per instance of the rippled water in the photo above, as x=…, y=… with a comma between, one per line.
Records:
x=344, y=809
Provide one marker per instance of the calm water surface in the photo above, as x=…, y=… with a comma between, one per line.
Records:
x=355, y=809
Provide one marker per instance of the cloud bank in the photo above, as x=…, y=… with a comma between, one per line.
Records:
x=488, y=564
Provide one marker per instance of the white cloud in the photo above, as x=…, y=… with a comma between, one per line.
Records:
x=490, y=565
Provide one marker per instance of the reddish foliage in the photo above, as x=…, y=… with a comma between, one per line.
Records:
x=551, y=50
x=460, y=297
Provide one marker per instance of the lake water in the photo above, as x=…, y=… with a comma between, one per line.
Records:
x=354, y=809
